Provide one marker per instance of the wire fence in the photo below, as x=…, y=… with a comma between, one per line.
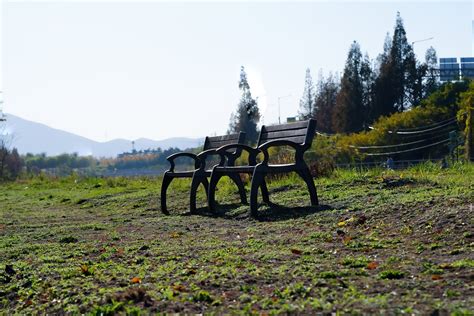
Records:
x=423, y=137
x=396, y=164
x=421, y=130
x=450, y=120
x=408, y=150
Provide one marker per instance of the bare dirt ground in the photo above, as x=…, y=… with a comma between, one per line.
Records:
x=396, y=242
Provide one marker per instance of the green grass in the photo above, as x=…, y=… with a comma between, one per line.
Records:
x=381, y=242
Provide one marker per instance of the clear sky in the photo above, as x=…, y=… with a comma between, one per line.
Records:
x=126, y=69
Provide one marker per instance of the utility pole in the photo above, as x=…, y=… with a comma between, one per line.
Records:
x=279, y=114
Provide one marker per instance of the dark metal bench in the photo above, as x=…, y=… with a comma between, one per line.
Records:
x=202, y=171
x=297, y=135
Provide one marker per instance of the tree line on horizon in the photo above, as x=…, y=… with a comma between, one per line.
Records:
x=367, y=89
x=10, y=162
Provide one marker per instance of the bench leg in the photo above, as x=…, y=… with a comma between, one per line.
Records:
x=265, y=194
x=211, y=198
x=164, y=187
x=196, y=181
x=205, y=184
x=257, y=179
x=308, y=178
x=240, y=185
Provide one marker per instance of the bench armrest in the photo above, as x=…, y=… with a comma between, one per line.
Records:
x=299, y=149
x=204, y=154
x=171, y=158
x=253, y=152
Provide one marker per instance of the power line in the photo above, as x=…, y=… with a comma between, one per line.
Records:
x=399, y=145
x=427, y=126
x=408, y=150
x=422, y=131
x=437, y=133
x=401, y=132
x=387, y=146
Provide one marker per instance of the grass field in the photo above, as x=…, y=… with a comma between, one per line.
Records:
x=397, y=242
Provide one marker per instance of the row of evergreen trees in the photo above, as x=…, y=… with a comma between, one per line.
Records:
x=367, y=89
x=10, y=163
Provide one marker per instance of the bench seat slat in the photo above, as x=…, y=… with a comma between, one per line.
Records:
x=295, y=139
x=220, y=144
x=218, y=141
x=224, y=137
x=289, y=126
x=283, y=134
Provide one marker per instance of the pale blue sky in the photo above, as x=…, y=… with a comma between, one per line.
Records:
x=158, y=69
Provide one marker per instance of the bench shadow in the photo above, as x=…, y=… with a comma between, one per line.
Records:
x=274, y=212
x=228, y=211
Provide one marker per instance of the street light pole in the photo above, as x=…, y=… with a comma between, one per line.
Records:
x=423, y=40
x=279, y=98
x=2, y=116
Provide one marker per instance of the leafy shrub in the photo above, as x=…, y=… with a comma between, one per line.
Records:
x=202, y=296
x=68, y=240
x=442, y=105
x=392, y=274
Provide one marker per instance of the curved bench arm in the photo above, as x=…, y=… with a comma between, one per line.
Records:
x=171, y=158
x=253, y=152
x=203, y=156
x=299, y=149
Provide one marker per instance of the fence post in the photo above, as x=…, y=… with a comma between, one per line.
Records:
x=468, y=130
x=466, y=112
x=469, y=135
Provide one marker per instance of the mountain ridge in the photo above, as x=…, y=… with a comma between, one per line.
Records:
x=33, y=137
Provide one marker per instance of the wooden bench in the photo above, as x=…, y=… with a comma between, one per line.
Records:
x=298, y=135
x=202, y=171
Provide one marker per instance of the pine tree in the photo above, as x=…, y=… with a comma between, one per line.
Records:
x=368, y=81
x=3, y=158
x=13, y=164
x=325, y=101
x=415, y=72
x=398, y=82
x=247, y=115
x=306, y=109
x=387, y=47
x=383, y=97
x=403, y=67
x=349, y=111
x=432, y=81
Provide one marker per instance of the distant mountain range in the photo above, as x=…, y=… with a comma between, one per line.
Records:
x=32, y=137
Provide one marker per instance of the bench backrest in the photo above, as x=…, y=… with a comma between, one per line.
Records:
x=299, y=132
x=214, y=142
